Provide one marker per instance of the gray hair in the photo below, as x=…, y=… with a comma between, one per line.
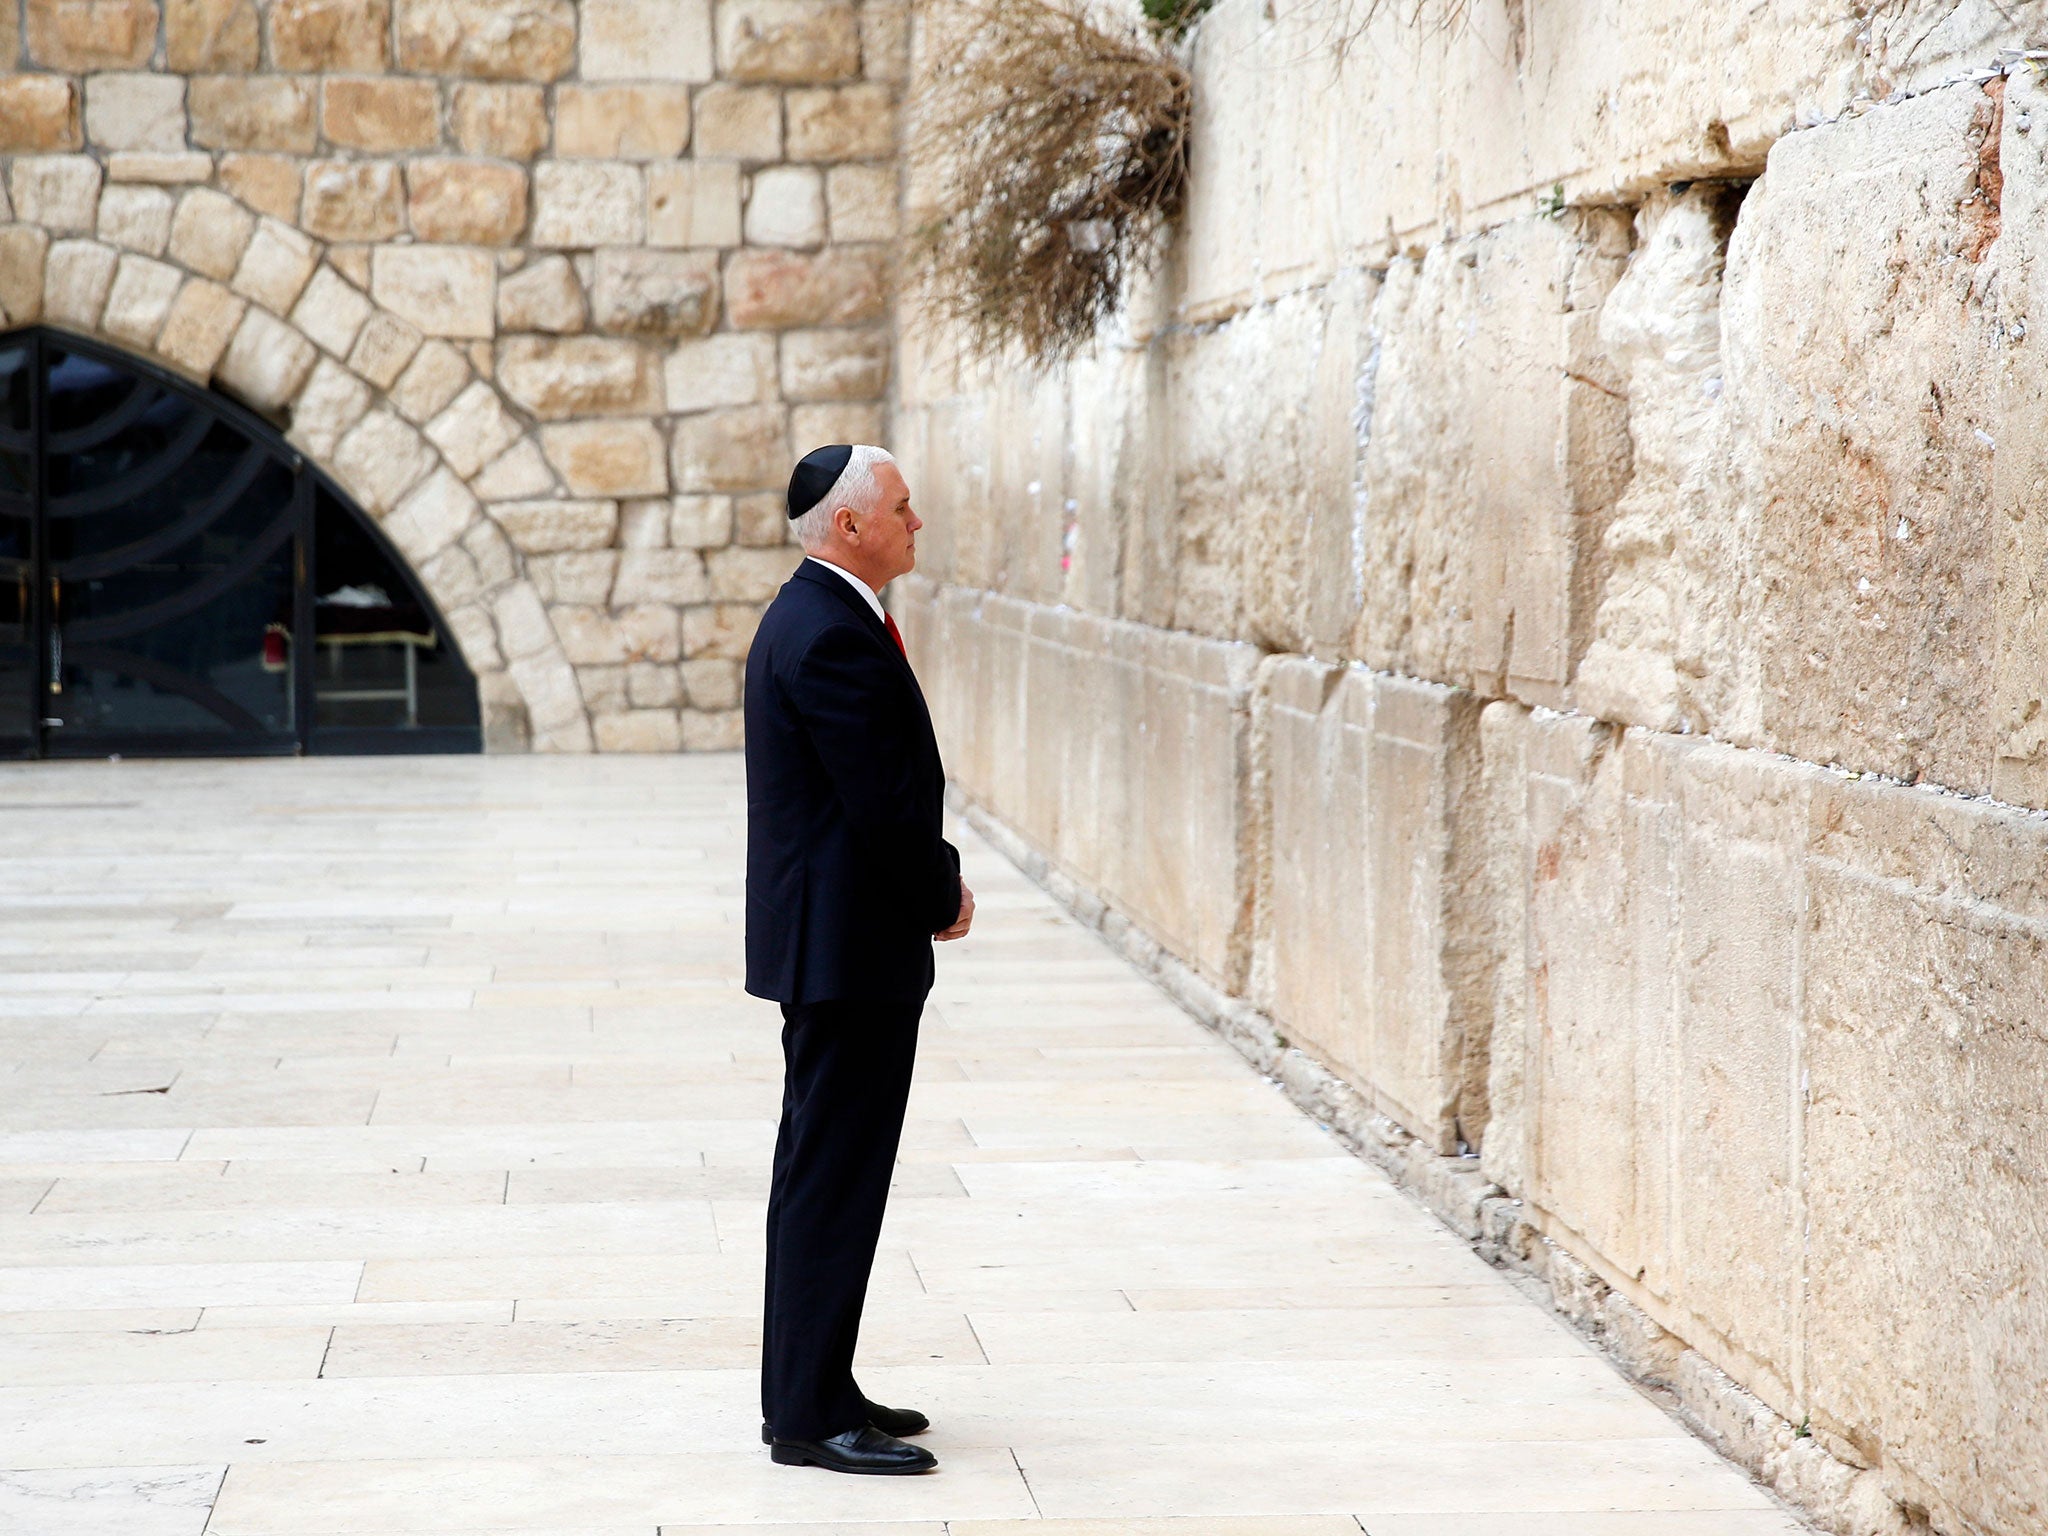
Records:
x=854, y=488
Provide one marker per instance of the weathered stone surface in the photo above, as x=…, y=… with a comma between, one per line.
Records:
x=445, y=291
x=795, y=41
x=136, y=218
x=1497, y=448
x=655, y=293
x=253, y=112
x=266, y=362
x=38, y=113
x=202, y=321
x=722, y=370
x=779, y=289
x=557, y=378
x=712, y=732
x=331, y=312
x=851, y=122
x=76, y=277
x=1863, y=405
x=607, y=458
x=837, y=421
x=1357, y=952
x=786, y=206
x=508, y=121
x=353, y=200
x=58, y=192
x=487, y=39
x=742, y=449
x=1662, y=642
x=646, y=40
x=745, y=575
x=862, y=202
x=580, y=576
x=517, y=474
x=90, y=34
x=653, y=685
x=835, y=365
x=209, y=233
x=437, y=373
x=639, y=730
x=622, y=122
x=720, y=629
x=671, y=576
x=139, y=300
x=385, y=346
x=169, y=168
x=473, y=429
x=542, y=527
x=135, y=111
x=693, y=202
x=1137, y=741
x=23, y=251
x=275, y=266
x=469, y=202
x=584, y=205
x=332, y=401
x=210, y=35
x=542, y=296
x=740, y=122
x=761, y=520
x=329, y=35
x=700, y=522
x=267, y=183
x=381, y=459
x=380, y=115
x=712, y=683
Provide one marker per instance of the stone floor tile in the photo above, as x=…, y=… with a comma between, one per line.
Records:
x=461, y=1087
x=136, y=1501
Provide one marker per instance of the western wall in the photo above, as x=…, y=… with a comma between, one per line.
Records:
x=1533, y=625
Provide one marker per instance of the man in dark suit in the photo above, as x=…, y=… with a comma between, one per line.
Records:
x=848, y=884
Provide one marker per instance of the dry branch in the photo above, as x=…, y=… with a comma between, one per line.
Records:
x=1056, y=144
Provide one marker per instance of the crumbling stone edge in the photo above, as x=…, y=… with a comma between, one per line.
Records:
x=1835, y=1495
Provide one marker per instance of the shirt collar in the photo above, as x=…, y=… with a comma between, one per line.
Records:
x=853, y=581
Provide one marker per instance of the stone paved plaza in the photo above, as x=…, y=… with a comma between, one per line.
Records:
x=385, y=1147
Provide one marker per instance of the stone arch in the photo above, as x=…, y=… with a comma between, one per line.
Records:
x=229, y=297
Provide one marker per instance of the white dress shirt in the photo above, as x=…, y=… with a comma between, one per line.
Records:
x=867, y=592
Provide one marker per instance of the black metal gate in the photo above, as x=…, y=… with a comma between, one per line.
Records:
x=175, y=579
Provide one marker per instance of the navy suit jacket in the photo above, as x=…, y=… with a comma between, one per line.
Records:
x=847, y=875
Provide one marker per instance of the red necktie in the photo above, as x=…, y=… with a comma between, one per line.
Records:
x=889, y=621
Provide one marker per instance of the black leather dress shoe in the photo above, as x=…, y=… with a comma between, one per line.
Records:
x=890, y=1421
x=865, y=1450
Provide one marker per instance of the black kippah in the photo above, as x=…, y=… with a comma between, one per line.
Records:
x=815, y=475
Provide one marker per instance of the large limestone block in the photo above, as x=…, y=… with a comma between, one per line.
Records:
x=1927, y=1307
x=655, y=293
x=775, y=290
x=353, y=200
x=84, y=35
x=557, y=378
x=38, y=113
x=1860, y=346
x=1668, y=648
x=251, y=112
x=1597, y=887
x=793, y=41
x=509, y=121
x=381, y=115
x=202, y=35
x=1497, y=447
x=1370, y=950
x=466, y=202
x=2020, y=466
x=607, y=458
x=444, y=290
x=646, y=40
x=330, y=35
x=487, y=39
x=1265, y=446
x=142, y=111
x=622, y=122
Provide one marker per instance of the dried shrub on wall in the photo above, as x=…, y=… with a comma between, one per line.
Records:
x=1053, y=144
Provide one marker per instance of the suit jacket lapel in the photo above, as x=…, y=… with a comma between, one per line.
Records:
x=838, y=587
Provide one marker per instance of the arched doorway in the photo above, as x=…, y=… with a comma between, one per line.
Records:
x=163, y=554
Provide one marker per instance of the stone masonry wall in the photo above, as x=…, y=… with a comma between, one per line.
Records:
x=556, y=289
x=1540, y=605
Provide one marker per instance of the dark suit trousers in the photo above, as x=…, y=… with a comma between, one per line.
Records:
x=847, y=1080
